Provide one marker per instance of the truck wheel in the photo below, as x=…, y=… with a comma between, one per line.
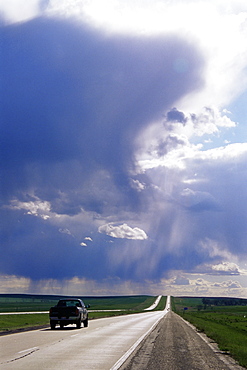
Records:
x=85, y=323
x=53, y=325
x=78, y=324
x=61, y=326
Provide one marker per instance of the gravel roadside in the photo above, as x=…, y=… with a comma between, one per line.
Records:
x=176, y=345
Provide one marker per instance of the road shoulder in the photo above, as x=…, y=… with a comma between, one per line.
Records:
x=176, y=344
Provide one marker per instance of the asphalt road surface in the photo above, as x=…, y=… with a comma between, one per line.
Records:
x=176, y=345
x=101, y=345
x=147, y=341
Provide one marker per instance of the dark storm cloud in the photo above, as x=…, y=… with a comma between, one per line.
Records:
x=70, y=94
x=171, y=142
x=175, y=115
x=73, y=102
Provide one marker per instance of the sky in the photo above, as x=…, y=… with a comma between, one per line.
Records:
x=123, y=147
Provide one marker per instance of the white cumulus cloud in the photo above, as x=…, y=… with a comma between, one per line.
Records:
x=37, y=208
x=228, y=285
x=228, y=268
x=83, y=244
x=123, y=232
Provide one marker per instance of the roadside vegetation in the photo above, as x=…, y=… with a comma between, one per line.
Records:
x=9, y=323
x=36, y=303
x=162, y=304
x=223, y=320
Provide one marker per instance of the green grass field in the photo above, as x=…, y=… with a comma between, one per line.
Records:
x=12, y=322
x=27, y=303
x=226, y=325
x=33, y=303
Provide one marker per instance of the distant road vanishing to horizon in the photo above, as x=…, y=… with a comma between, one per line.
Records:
x=150, y=340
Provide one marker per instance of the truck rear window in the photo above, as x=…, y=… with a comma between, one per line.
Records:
x=68, y=304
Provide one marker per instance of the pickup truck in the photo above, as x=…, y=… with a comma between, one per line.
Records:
x=68, y=311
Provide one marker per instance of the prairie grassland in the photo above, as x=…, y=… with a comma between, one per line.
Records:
x=9, y=323
x=226, y=325
x=128, y=304
x=29, y=303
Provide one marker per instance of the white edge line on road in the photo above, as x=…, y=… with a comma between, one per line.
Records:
x=29, y=349
x=135, y=345
x=120, y=362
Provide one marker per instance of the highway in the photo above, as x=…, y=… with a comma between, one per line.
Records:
x=152, y=340
x=104, y=345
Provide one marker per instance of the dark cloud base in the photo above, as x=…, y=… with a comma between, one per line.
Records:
x=73, y=102
x=72, y=94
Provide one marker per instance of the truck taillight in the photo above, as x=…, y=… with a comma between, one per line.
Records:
x=77, y=311
x=50, y=310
